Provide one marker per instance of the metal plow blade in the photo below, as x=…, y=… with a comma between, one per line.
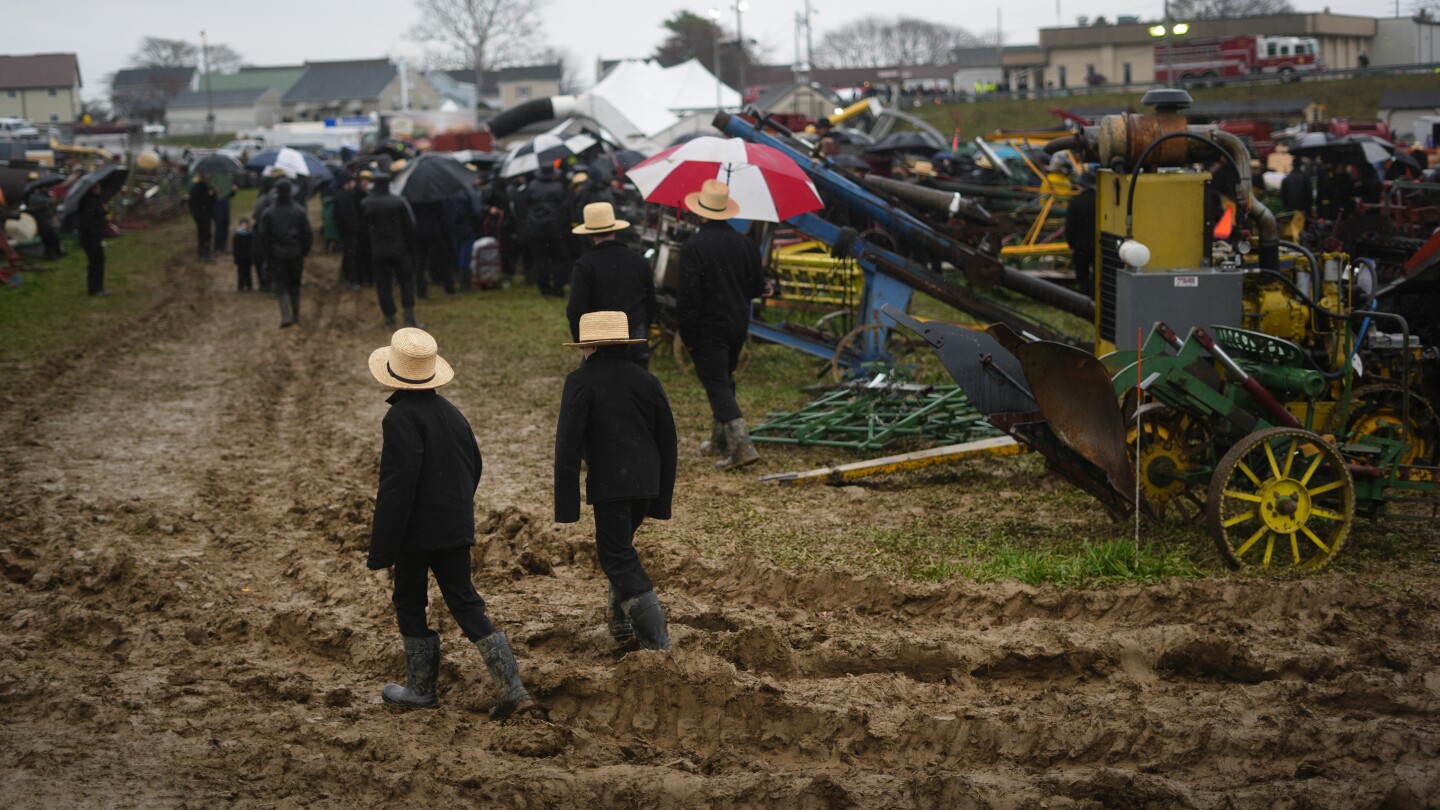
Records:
x=989, y=375
x=1076, y=397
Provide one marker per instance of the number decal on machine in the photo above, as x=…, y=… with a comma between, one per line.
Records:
x=1187, y=281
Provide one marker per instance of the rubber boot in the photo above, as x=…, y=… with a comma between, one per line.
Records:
x=390, y=321
x=716, y=445
x=648, y=619
x=285, y=317
x=422, y=669
x=500, y=662
x=620, y=628
x=742, y=450
x=409, y=313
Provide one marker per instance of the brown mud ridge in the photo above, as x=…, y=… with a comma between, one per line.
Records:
x=186, y=620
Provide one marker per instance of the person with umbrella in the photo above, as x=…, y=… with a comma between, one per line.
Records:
x=202, y=210
x=720, y=274
x=612, y=277
x=91, y=227
x=544, y=227
x=285, y=236
x=390, y=224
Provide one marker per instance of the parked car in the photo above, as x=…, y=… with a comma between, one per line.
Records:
x=155, y=130
x=18, y=128
x=245, y=146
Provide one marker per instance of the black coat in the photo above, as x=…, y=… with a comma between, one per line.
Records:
x=241, y=246
x=1080, y=227
x=1295, y=191
x=614, y=416
x=541, y=209
x=612, y=277
x=202, y=202
x=347, y=216
x=429, y=470
x=390, y=222
x=90, y=220
x=720, y=274
x=284, y=230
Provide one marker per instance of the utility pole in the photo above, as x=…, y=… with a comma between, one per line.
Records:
x=479, y=67
x=741, y=56
x=715, y=42
x=809, y=42
x=798, y=68
x=209, y=96
x=1000, y=47
x=1169, y=47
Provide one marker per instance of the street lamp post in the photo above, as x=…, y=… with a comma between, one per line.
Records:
x=715, y=41
x=1169, y=29
x=740, y=56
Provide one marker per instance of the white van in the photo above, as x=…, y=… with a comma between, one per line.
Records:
x=18, y=128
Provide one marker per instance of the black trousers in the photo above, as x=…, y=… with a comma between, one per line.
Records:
x=551, y=265
x=389, y=269
x=94, y=263
x=285, y=275
x=615, y=525
x=222, y=228
x=243, y=275
x=439, y=262
x=349, y=261
x=202, y=236
x=49, y=237
x=715, y=363
x=451, y=567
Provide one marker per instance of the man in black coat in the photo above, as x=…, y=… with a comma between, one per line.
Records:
x=391, y=226
x=41, y=206
x=284, y=236
x=347, y=222
x=720, y=274
x=202, y=210
x=544, y=226
x=614, y=416
x=425, y=521
x=90, y=223
x=1295, y=190
x=611, y=276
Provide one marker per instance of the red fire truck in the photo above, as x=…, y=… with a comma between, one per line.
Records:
x=1202, y=62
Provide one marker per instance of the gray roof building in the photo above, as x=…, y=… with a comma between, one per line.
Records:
x=323, y=81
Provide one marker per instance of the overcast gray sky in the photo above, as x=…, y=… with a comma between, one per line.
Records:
x=104, y=33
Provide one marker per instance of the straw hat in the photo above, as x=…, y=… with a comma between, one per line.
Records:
x=923, y=168
x=578, y=178
x=599, y=218
x=712, y=201
x=410, y=362
x=604, y=329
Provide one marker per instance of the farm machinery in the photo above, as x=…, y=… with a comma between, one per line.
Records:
x=1246, y=381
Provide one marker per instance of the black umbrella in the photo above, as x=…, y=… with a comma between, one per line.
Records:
x=110, y=178
x=432, y=178
x=910, y=142
x=217, y=164
x=1353, y=148
x=626, y=159
x=44, y=182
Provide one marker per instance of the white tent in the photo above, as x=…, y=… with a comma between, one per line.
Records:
x=654, y=98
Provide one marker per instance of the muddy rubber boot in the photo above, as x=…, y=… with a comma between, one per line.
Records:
x=716, y=445
x=648, y=619
x=742, y=450
x=620, y=627
x=409, y=314
x=500, y=662
x=286, y=319
x=422, y=669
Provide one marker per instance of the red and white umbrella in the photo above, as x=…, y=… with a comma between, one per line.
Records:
x=764, y=181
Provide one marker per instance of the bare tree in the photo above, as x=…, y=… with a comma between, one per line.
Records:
x=1227, y=9
x=224, y=59
x=880, y=42
x=478, y=34
x=158, y=52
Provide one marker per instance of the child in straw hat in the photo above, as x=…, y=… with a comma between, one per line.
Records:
x=425, y=522
x=615, y=417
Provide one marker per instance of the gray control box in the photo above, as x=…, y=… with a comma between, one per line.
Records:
x=1180, y=298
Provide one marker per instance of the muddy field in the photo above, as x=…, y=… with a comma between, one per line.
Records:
x=186, y=619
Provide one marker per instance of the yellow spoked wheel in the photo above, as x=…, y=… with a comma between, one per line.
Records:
x=1171, y=445
x=1281, y=498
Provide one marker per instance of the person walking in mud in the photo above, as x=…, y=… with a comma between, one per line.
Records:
x=615, y=417
x=284, y=235
x=720, y=274
x=425, y=522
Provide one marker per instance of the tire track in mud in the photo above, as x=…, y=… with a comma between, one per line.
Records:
x=187, y=621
